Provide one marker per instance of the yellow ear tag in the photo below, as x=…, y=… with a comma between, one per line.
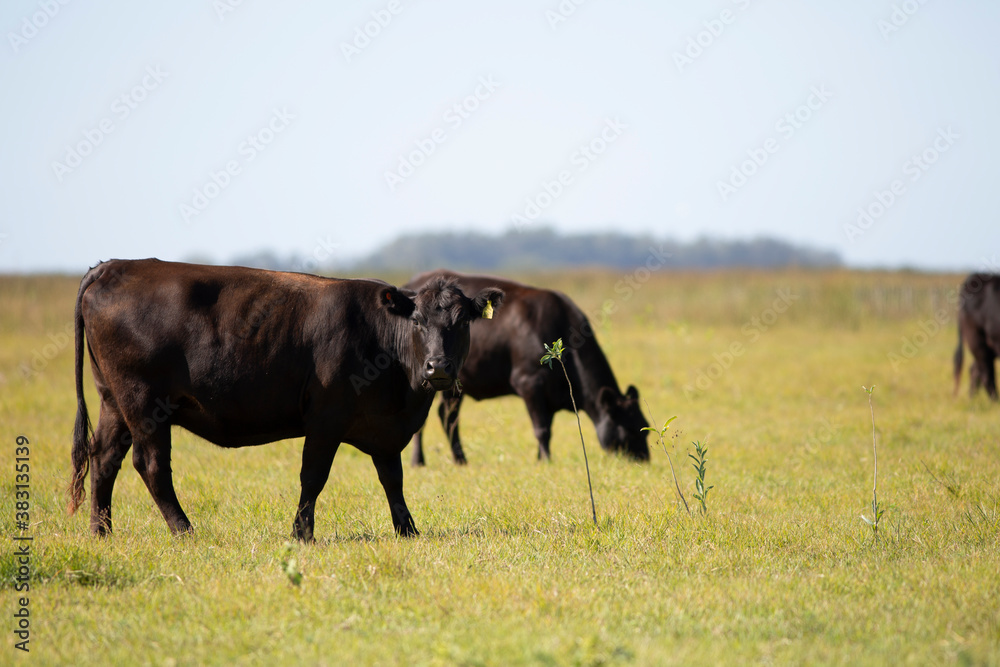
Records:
x=488, y=310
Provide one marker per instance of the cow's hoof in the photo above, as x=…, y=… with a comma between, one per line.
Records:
x=408, y=529
x=303, y=536
x=183, y=531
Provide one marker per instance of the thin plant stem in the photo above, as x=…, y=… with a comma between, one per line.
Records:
x=659, y=437
x=875, y=458
x=876, y=509
x=593, y=508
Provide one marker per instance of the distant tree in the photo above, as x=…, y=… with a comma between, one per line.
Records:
x=545, y=248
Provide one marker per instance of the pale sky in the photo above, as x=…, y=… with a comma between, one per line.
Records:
x=214, y=129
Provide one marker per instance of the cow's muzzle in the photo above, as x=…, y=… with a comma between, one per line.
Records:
x=439, y=372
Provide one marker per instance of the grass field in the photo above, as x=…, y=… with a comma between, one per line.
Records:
x=509, y=569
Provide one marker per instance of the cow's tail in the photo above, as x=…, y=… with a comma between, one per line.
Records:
x=958, y=359
x=82, y=430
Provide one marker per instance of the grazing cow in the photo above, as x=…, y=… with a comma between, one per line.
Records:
x=246, y=357
x=979, y=328
x=504, y=360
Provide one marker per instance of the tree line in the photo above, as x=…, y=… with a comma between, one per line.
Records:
x=544, y=249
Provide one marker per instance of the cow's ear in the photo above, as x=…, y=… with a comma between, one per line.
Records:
x=396, y=301
x=632, y=393
x=487, y=301
x=606, y=398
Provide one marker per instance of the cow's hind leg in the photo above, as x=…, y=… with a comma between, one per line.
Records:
x=541, y=421
x=390, y=473
x=448, y=413
x=532, y=392
x=317, y=457
x=151, y=458
x=111, y=442
x=975, y=378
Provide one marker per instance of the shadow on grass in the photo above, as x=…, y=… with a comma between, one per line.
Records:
x=71, y=565
x=485, y=526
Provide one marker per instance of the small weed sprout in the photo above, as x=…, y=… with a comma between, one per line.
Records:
x=951, y=485
x=700, y=458
x=877, y=509
x=661, y=433
x=556, y=352
x=983, y=521
x=290, y=566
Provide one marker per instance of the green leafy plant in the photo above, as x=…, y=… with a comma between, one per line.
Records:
x=661, y=433
x=290, y=566
x=877, y=509
x=700, y=458
x=555, y=352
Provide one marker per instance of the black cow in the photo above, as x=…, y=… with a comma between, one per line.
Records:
x=979, y=328
x=246, y=357
x=505, y=357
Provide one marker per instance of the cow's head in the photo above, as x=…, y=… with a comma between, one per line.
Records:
x=439, y=316
x=620, y=423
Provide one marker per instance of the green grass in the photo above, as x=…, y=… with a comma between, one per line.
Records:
x=509, y=568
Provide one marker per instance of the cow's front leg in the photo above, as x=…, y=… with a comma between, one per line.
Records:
x=390, y=473
x=317, y=457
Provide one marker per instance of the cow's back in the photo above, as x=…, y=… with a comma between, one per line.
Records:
x=227, y=349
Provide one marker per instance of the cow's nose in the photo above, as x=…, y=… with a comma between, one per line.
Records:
x=438, y=369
